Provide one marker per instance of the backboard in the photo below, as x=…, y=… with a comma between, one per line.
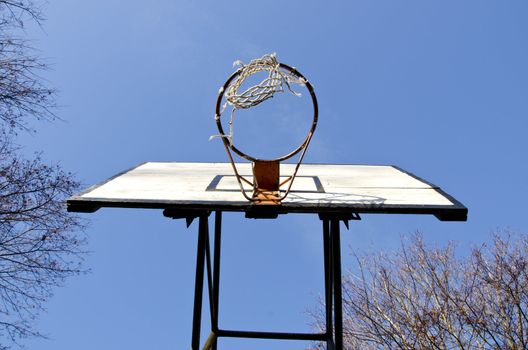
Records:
x=318, y=188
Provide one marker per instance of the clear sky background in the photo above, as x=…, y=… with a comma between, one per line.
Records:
x=439, y=88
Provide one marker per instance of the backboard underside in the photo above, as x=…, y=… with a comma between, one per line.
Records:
x=317, y=188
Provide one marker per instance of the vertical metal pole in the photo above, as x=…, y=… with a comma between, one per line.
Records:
x=216, y=272
x=338, y=293
x=328, y=271
x=198, y=286
x=209, y=278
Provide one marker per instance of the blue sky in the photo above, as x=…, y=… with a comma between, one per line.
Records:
x=438, y=88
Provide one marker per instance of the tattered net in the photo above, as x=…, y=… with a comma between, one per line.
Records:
x=254, y=95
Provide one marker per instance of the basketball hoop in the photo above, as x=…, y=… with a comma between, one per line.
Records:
x=266, y=172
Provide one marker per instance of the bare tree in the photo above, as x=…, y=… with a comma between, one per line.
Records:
x=22, y=92
x=429, y=298
x=38, y=248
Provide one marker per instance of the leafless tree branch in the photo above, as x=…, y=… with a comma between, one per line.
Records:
x=428, y=298
x=38, y=246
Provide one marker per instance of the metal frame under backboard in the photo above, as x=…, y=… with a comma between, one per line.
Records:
x=333, y=334
x=331, y=212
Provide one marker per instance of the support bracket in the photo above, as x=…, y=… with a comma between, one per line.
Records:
x=188, y=214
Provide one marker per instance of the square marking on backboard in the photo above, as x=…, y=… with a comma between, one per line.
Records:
x=229, y=183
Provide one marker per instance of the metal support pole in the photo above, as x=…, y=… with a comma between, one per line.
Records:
x=216, y=273
x=209, y=278
x=328, y=274
x=335, y=240
x=199, y=279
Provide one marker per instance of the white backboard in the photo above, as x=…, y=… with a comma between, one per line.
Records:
x=318, y=188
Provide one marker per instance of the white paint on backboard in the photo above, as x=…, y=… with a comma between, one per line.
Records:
x=343, y=185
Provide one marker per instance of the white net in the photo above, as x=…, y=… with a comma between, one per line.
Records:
x=254, y=95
